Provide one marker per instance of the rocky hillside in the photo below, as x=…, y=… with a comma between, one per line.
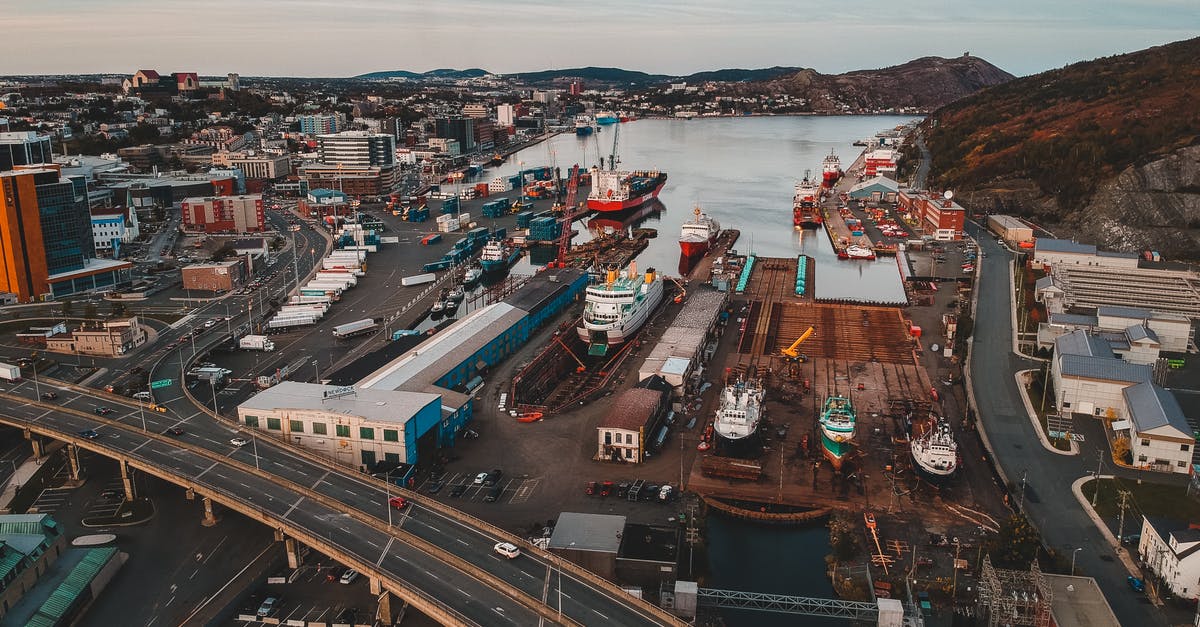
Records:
x=1106, y=151
x=925, y=83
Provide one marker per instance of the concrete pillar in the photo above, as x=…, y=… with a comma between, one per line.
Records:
x=127, y=480
x=210, y=519
x=295, y=560
x=39, y=449
x=73, y=459
x=384, y=615
x=376, y=585
x=279, y=536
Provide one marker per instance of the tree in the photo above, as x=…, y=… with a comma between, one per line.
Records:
x=1016, y=545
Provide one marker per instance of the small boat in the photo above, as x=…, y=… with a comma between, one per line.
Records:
x=583, y=126
x=854, y=251
x=532, y=416
x=436, y=310
x=472, y=276
x=935, y=451
x=606, y=117
x=838, y=423
x=457, y=295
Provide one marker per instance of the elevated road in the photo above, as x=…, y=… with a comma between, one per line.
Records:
x=438, y=559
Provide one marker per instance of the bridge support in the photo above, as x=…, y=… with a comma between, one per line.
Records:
x=39, y=448
x=384, y=613
x=295, y=560
x=73, y=459
x=376, y=586
x=210, y=519
x=127, y=480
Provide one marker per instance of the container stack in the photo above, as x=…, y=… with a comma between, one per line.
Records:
x=523, y=219
x=801, y=275
x=447, y=224
x=745, y=277
x=544, y=229
x=450, y=205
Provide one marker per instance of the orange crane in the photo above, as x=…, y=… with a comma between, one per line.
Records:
x=792, y=351
x=570, y=212
x=581, y=368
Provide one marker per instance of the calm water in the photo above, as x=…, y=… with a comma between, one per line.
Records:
x=740, y=171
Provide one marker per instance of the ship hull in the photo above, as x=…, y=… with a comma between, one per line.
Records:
x=583, y=131
x=931, y=472
x=807, y=221
x=604, y=119
x=600, y=204
x=618, y=334
x=835, y=452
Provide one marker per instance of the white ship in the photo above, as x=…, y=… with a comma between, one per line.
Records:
x=935, y=450
x=741, y=407
x=617, y=308
x=698, y=235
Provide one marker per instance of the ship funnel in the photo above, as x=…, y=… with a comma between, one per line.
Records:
x=632, y=269
x=649, y=275
x=610, y=276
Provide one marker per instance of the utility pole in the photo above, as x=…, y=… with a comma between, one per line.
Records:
x=1124, y=496
x=1024, y=474
x=1096, y=492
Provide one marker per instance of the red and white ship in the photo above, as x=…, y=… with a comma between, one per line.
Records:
x=806, y=209
x=831, y=169
x=698, y=235
x=618, y=190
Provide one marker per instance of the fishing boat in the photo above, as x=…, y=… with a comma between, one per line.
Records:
x=935, y=451
x=472, y=276
x=614, y=310
x=697, y=235
x=838, y=422
x=618, y=190
x=854, y=251
x=457, y=295
x=438, y=307
x=806, y=210
x=831, y=169
x=497, y=256
x=606, y=117
x=740, y=410
x=583, y=126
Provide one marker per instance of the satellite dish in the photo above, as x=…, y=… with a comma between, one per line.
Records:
x=947, y=194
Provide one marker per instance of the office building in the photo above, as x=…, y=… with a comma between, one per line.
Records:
x=113, y=228
x=224, y=214
x=255, y=166
x=357, y=149
x=505, y=115
x=111, y=338
x=460, y=129
x=221, y=276
x=321, y=123
x=475, y=110
x=46, y=246
x=23, y=148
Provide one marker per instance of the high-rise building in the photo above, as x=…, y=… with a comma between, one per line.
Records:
x=46, y=247
x=23, y=148
x=321, y=123
x=461, y=129
x=505, y=115
x=357, y=148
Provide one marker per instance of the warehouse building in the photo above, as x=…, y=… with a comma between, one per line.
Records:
x=1010, y=229
x=1070, y=287
x=1049, y=252
x=111, y=338
x=1089, y=378
x=214, y=277
x=1160, y=437
x=616, y=549
x=878, y=189
x=684, y=347
x=627, y=431
x=353, y=425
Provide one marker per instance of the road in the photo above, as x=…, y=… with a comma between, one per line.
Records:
x=1049, y=502
x=273, y=490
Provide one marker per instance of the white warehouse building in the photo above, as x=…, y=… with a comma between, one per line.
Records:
x=1088, y=378
x=1160, y=437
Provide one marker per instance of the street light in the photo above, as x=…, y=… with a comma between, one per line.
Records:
x=317, y=369
x=36, y=388
x=1073, y=553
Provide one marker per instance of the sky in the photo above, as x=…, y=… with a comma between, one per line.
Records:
x=349, y=37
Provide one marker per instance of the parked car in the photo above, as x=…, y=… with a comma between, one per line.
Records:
x=507, y=549
x=480, y=478
x=493, y=477
x=458, y=490
x=349, y=576
x=268, y=606
x=494, y=494
x=435, y=487
x=606, y=488
x=591, y=488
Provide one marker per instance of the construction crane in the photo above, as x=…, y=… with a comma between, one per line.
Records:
x=612, y=156
x=791, y=350
x=571, y=211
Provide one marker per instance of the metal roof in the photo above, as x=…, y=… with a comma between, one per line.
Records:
x=1133, y=313
x=633, y=409
x=1152, y=407
x=1106, y=368
x=432, y=359
x=887, y=184
x=1137, y=332
x=1080, y=342
x=588, y=532
x=377, y=405
x=1044, y=283
x=1048, y=245
x=1075, y=319
x=77, y=581
x=543, y=287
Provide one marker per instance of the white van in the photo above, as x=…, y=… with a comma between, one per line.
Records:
x=144, y=396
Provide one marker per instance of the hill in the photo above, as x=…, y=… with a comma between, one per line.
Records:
x=440, y=73
x=1106, y=150
x=925, y=84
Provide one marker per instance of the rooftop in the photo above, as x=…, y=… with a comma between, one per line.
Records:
x=632, y=409
x=1045, y=244
x=1072, y=319
x=1078, y=602
x=1152, y=407
x=1105, y=368
x=92, y=266
x=1080, y=342
x=588, y=532
x=369, y=404
x=543, y=287
x=650, y=542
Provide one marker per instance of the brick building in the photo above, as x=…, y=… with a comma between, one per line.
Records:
x=226, y=214
x=214, y=277
x=109, y=339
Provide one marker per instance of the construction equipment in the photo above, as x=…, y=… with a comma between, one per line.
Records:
x=682, y=290
x=582, y=367
x=791, y=351
x=571, y=211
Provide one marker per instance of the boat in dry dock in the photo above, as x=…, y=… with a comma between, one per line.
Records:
x=741, y=409
x=614, y=310
x=935, y=451
x=838, y=423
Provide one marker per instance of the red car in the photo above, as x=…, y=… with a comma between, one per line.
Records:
x=398, y=502
x=606, y=488
x=591, y=488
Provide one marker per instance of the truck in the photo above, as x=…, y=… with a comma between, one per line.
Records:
x=256, y=343
x=332, y=295
x=418, y=279
x=212, y=375
x=281, y=323
x=356, y=328
x=329, y=284
x=309, y=300
x=336, y=276
x=9, y=372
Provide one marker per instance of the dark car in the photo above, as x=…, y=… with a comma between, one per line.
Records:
x=494, y=494
x=1136, y=584
x=112, y=494
x=458, y=490
x=49, y=396
x=591, y=488
x=435, y=487
x=103, y=411
x=176, y=431
x=493, y=477
x=89, y=434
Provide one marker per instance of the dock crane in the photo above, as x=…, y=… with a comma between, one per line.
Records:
x=571, y=211
x=791, y=351
x=582, y=367
x=682, y=290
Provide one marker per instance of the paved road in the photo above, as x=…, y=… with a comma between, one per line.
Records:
x=922, y=173
x=1049, y=501
x=531, y=574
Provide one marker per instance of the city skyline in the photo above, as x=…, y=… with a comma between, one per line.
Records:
x=322, y=38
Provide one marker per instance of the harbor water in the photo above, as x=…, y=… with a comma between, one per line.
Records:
x=742, y=172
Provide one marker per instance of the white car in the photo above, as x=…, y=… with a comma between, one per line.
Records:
x=239, y=441
x=349, y=576
x=480, y=478
x=507, y=549
x=210, y=324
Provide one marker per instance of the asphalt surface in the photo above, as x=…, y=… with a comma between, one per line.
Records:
x=475, y=600
x=1049, y=501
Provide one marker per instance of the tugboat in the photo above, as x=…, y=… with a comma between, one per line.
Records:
x=616, y=309
x=457, y=295
x=438, y=308
x=472, y=276
x=838, y=423
x=935, y=451
x=583, y=126
x=741, y=407
x=497, y=257
x=806, y=209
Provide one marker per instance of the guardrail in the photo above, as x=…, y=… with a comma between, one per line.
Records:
x=308, y=493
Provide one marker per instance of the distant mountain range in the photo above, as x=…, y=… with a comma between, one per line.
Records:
x=1107, y=151
x=606, y=75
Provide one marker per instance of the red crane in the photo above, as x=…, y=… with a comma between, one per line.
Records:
x=571, y=211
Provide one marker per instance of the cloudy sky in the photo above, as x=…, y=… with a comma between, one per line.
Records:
x=348, y=37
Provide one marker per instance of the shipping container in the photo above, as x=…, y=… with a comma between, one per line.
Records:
x=257, y=343
x=434, y=266
x=9, y=372
x=309, y=300
x=356, y=328
x=418, y=279
x=432, y=238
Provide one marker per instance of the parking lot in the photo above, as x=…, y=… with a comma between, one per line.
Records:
x=462, y=487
